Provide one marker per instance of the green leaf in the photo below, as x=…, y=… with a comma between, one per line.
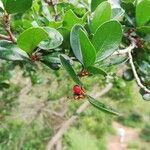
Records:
x=69, y=69
x=17, y=6
x=53, y=58
x=102, y=106
x=107, y=38
x=1, y=10
x=66, y=36
x=95, y=3
x=143, y=12
x=10, y=51
x=144, y=29
x=114, y=60
x=87, y=49
x=55, y=39
x=94, y=70
x=54, y=24
x=75, y=41
x=30, y=38
x=70, y=19
x=101, y=15
x=128, y=1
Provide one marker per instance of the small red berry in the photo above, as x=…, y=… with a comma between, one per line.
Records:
x=77, y=89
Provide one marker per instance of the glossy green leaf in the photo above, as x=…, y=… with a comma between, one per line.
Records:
x=95, y=3
x=94, y=70
x=10, y=51
x=69, y=69
x=107, y=39
x=102, y=106
x=87, y=49
x=17, y=6
x=70, y=19
x=55, y=39
x=101, y=15
x=143, y=12
x=75, y=41
x=30, y=38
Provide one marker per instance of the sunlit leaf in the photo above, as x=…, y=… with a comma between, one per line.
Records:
x=30, y=38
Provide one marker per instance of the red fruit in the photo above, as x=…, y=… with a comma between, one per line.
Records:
x=77, y=89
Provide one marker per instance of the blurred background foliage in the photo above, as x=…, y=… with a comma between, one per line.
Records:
x=33, y=105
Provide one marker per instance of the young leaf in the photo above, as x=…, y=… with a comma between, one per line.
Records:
x=107, y=38
x=30, y=38
x=143, y=12
x=95, y=3
x=17, y=6
x=69, y=69
x=10, y=51
x=70, y=19
x=75, y=41
x=102, y=106
x=101, y=15
x=95, y=70
x=55, y=39
x=87, y=49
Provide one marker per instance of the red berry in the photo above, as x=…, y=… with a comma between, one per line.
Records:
x=77, y=89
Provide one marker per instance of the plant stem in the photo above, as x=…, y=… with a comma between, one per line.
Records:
x=4, y=37
x=128, y=51
x=6, y=19
x=136, y=75
x=124, y=51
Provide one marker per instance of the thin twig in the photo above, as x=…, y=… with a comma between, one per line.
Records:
x=73, y=118
x=124, y=51
x=6, y=19
x=4, y=37
x=128, y=51
x=136, y=75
